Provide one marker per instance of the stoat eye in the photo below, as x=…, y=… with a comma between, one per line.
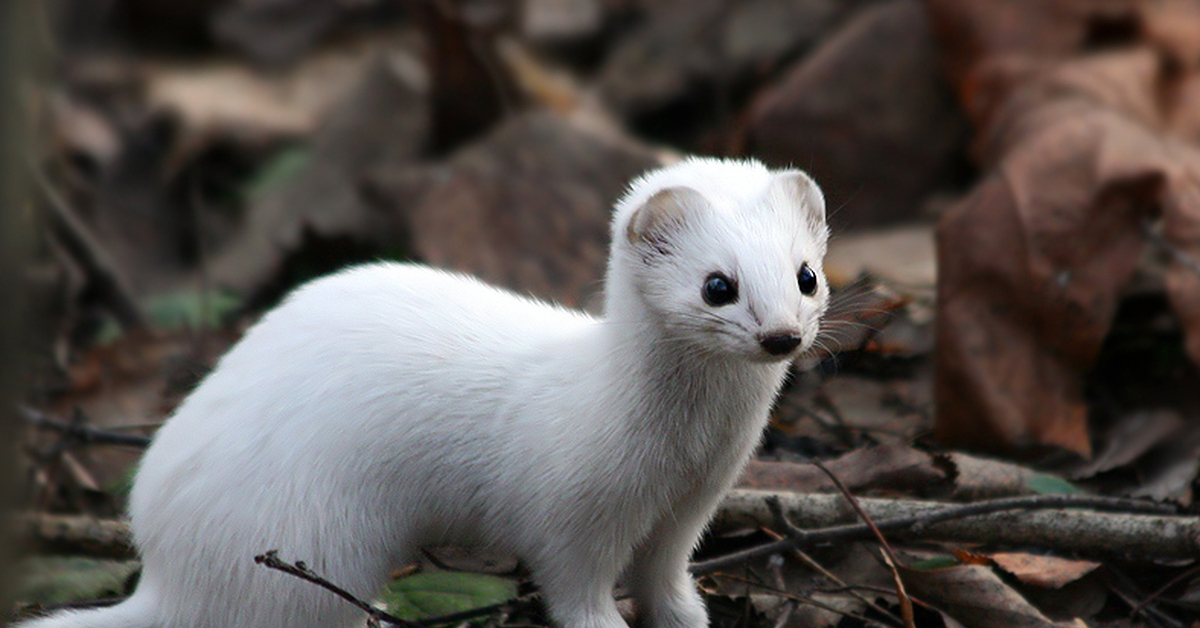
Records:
x=719, y=290
x=807, y=279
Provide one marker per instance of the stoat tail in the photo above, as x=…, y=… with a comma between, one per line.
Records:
x=136, y=612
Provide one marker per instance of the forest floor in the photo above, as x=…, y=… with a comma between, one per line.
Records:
x=1008, y=390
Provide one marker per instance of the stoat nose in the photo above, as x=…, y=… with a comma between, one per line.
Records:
x=779, y=342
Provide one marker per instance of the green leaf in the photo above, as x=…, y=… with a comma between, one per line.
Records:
x=936, y=562
x=58, y=579
x=1042, y=484
x=283, y=166
x=442, y=593
x=191, y=308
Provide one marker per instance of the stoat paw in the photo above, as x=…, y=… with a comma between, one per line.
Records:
x=685, y=611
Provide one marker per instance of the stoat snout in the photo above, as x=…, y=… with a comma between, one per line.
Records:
x=779, y=342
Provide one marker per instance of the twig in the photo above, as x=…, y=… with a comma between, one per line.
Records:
x=454, y=618
x=99, y=268
x=811, y=601
x=74, y=534
x=811, y=563
x=78, y=433
x=1163, y=589
x=742, y=506
x=300, y=570
x=906, y=609
x=1128, y=591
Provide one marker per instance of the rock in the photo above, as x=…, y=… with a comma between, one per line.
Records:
x=526, y=207
x=869, y=115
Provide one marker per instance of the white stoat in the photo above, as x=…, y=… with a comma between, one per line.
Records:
x=393, y=406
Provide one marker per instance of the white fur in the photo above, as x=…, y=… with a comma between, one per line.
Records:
x=393, y=406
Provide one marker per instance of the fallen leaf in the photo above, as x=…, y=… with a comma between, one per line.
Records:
x=227, y=97
x=894, y=466
x=869, y=115
x=1130, y=438
x=974, y=30
x=1169, y=470
x=975, y=596
x=526, y=207
x=442, y=593
x=383, y=121
x=1043, y=571
x=976, y=478
x=902, y=256
x=1035, y=258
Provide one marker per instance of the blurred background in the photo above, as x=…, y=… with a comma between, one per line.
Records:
x=1013, y=186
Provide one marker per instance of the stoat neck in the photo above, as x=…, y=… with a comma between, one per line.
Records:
x=672, y=380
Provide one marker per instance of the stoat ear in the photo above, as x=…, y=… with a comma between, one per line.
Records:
x=795, y=189
x=662, y=215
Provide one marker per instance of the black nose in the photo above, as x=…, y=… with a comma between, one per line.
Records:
x=779, y=343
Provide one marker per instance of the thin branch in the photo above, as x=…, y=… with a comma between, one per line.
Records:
x=906, y=609
x=461, y=616
x=1190, y=573
x=271, y=560
x=811, y=563
x=300, y=570
x=803, y=599
x=917, y=522
x=79, y=433
x=73, y=534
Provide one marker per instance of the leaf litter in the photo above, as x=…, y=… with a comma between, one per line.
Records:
x=216, y=183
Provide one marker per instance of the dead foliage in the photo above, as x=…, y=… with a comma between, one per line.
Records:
x=1009, y=355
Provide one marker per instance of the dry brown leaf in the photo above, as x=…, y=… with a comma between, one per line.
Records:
x=526, y=207
x=977, y=478
x=1184, y=116
x=1035, y=258
x=1028, y=97
x=384, y=121
x=972, y=30
x=225, y=96
x=1043, y=571
x=868, y=114
x=896, y=467
x=1130, y=438
x=1173, y=26
x=975, y=596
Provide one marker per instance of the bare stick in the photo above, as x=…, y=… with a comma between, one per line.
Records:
x=80, y=433
x=300, y=570
x=1095, y=533
x=461, y=616
x=74, y=534
x=1190, y=573
x=906, y=609
x=811, y=563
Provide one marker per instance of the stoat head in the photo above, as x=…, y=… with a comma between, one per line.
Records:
x=724, y=257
